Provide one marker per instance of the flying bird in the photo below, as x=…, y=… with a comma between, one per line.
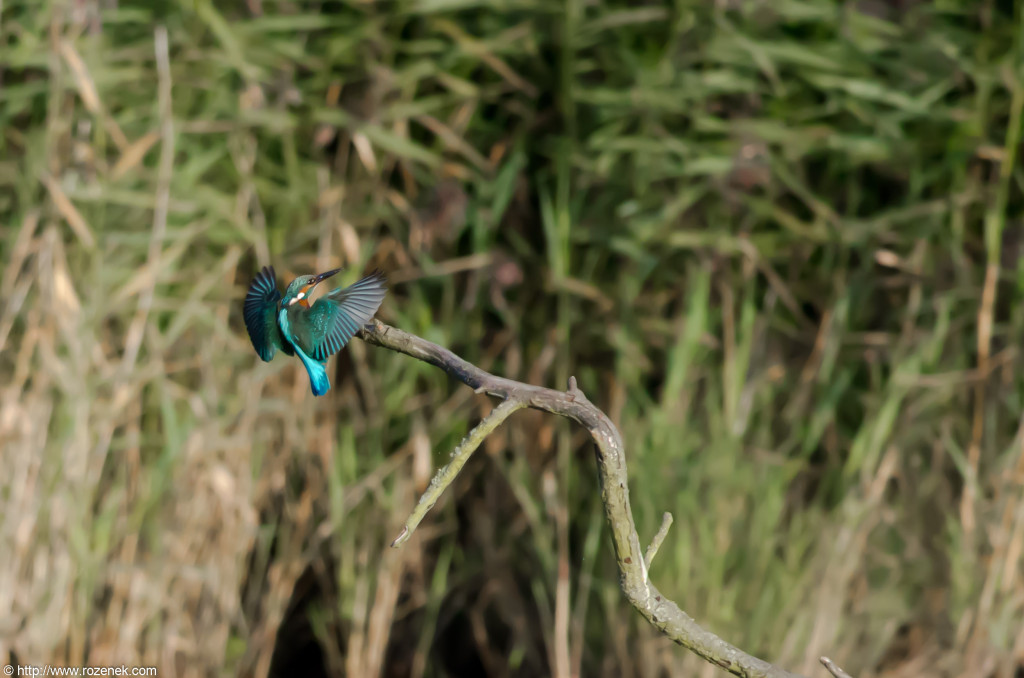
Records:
x=313, y=332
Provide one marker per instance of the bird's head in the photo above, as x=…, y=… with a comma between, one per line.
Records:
x=299, y=290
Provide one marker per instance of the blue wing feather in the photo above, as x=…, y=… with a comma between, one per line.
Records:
x=336, y=317
x=260, y=312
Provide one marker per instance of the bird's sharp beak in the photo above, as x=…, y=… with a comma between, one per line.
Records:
x=323, y=276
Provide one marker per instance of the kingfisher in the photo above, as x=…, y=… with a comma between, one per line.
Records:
x=313, y=332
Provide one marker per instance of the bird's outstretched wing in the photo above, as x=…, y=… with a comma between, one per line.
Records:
x=335, y=318
x=260, y=311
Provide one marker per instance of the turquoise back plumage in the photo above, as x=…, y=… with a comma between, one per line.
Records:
x=313, y=332
x=319, y=382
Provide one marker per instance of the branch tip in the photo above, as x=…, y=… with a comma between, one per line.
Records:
x=659, y=537
x=446, y=475
x=401, y=538
x=831, y=667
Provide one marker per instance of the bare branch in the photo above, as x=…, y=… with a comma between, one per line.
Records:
x=460, y=455
x=831, y=667
x=652, y=550
x=611, y=465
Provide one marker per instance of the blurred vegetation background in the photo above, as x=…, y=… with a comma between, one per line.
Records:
x=780, y=243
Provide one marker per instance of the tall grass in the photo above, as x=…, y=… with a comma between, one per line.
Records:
x=779, y=243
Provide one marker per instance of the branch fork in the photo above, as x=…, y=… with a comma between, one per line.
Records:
x=611, y=465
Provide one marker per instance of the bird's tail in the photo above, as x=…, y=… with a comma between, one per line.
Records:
x=318, y=379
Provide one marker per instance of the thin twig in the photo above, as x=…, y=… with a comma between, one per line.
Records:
x=447, y=474
x=611, y=465
x=652, y=550
x=831, y=667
